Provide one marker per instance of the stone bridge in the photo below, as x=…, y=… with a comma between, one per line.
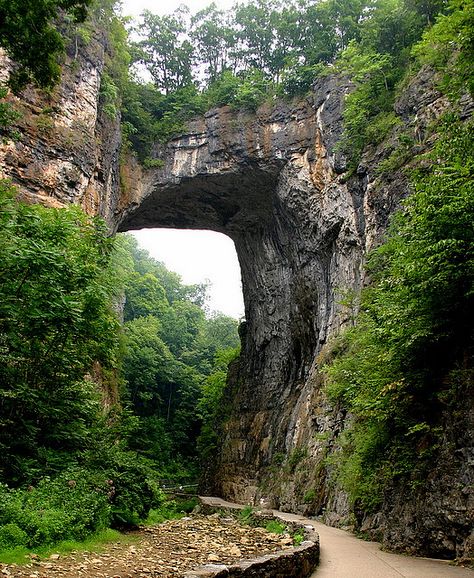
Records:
x=274, y=182
x=271, y=182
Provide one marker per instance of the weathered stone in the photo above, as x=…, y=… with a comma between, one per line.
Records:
x=68, y=148
x=267, y=181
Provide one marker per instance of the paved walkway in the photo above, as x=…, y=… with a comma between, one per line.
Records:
x=345, y=556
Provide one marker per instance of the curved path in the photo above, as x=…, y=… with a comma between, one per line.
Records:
x=345, y=556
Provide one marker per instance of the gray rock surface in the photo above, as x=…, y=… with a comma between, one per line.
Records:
x=68, y=150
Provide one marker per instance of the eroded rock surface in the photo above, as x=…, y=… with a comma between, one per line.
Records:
x=68, y=147
x=272, y=183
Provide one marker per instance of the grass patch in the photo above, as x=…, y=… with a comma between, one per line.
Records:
x=95, y=543
x=245, y=515
x=171, y=510
x=298, y=537
x=309, y=496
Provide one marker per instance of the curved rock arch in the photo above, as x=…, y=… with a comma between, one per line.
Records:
x=270, y=182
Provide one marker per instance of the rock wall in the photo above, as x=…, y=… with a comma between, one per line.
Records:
x=274, y=182
x=68, y=147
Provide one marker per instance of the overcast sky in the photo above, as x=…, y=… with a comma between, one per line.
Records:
x=196, y=255
x=136, y=7
x=199, y=256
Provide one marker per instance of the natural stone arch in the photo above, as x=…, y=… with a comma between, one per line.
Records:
x=270, y=182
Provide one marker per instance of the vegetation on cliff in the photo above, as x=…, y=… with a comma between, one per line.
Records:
x=76, y=461
x=30, y=33
x=265, y=49
x=409, y=356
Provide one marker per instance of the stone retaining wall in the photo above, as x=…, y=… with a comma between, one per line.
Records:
x=296, y=562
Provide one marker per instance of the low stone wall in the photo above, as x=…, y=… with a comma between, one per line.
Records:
x=297, y=562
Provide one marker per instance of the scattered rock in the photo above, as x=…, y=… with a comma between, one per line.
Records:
x=166, y=551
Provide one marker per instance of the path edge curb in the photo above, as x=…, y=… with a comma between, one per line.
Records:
x=296, y=562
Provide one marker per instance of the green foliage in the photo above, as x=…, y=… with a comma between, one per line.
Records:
x=210, y=406
x=171, y=510
x=71, y=506
x=165, y=51
x=29, y=32
x=11, y=536
x=295, y=457
x=131, y=480
x=65, y=456
x=298, y=537
x=8, y=117
x=154, y=117
x=397, y=363
x=252, y=91
x=246, y=515
x=264, y=49
x=213, y=37
x=309, y=496
x=93, y=543
x=56, y=320
x=367, y=109
x=448, y=47
x=275, y=527
x=109, y=96
x=297, y=80
x=397, y=158
x=169, y=353
x=150, y=163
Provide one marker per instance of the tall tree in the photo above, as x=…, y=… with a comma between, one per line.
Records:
x=56, y=321
x=165, y=51
x=256, y=24
x=213, y=36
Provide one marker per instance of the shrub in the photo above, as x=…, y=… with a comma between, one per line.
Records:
x=132, y=482
x=309, y=496
x=275, y=527
x=11, y=536
x=71, y=506
x=246, y=515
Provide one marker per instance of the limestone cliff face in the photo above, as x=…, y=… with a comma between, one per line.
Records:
x=68, y=150
x=274, y=182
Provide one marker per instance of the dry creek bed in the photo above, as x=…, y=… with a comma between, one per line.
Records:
x=167, y=550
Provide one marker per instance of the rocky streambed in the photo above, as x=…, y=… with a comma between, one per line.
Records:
x=170, y=549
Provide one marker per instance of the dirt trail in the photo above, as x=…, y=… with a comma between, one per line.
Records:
x=172, y=548
x=345, y=556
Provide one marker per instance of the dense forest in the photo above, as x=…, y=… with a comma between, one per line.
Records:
x=159, y=369
x=162, y=367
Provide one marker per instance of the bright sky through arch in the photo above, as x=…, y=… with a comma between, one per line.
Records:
x=198, y=256
x=195, y=255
